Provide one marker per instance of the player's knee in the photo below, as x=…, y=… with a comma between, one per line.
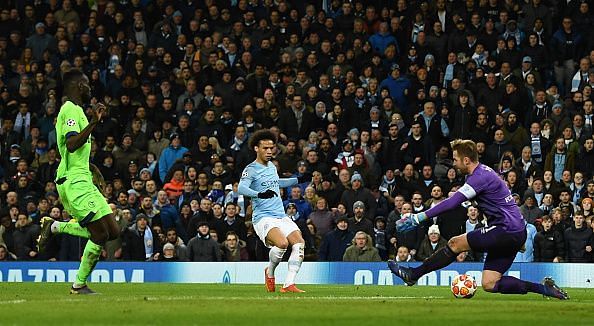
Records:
x=489, y=285
x=100, y=239
x=454, y=244
x=282, y=243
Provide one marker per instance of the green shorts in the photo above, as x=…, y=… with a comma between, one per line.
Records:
x=82, y=200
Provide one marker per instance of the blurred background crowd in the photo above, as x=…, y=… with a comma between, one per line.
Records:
x=363, y=95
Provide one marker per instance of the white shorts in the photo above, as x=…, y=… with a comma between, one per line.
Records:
x=285, y=225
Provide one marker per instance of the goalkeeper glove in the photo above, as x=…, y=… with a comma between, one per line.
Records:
x=409, y=222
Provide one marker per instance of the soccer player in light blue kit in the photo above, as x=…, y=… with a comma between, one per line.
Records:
x=501, y=239
x=260, y=182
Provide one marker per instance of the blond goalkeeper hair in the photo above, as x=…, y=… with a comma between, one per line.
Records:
x=465, y=148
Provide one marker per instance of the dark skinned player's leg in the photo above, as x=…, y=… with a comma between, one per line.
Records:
x=101, y=231
x=111, y=226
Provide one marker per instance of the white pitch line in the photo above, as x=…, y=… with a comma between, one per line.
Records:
x=13, y=301
x=186, y=298
x=288, y=297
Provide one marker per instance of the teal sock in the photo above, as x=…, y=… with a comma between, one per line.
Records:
x=87, y=264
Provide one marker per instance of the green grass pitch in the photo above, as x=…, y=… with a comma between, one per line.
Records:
x=233, y=304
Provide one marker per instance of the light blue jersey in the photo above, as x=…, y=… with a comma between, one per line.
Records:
x=258, y=178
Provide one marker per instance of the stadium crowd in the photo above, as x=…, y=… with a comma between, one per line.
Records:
x=363, y=95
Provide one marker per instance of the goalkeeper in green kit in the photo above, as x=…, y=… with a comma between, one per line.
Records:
x=74, y=180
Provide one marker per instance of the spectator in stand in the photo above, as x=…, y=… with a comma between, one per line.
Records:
x=361, y=249
x=586, y=207
x=322, y=217
x=549, y=245
x=181, y=251
x=335, y=242
x=403, y=255
x=138, y=242
x=578, y=240
x=24, y=238
x=530, y=210
x=559, y=159
x=360, y=221
x=432, y=243
x=359, y=193
x=234, y=248
x=170, y=154
x=231, y=222
x=169, y=253
x=202, y=248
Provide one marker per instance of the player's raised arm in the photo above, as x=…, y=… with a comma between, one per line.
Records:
x=244, y=188
x=448, y=204
x=75, y=140
x=287, y=182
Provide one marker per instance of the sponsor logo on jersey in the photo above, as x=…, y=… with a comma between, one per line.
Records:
x=270, y=183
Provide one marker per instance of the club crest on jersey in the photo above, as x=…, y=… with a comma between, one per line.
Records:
x=70, y=122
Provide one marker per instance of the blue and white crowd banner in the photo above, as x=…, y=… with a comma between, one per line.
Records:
x=566, y=275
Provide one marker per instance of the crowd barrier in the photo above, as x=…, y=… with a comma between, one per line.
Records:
x=566, y=275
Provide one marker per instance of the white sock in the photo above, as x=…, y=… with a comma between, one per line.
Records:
x=55, y=228
x=295, y=261
x=275, y=255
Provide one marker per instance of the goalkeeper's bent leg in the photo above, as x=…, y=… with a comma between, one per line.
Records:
x=438, y=260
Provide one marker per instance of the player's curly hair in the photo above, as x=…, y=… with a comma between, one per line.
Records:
x=260, y=135
x=465, y=148
x=71, y=78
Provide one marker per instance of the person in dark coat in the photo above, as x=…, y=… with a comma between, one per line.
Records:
x=392, y=156
x=231, y=222
x=240, y=97
x=463, y=117
x=578, y=241
x=548, y=243
x=432, y=243
x=25, y=238
x=202, y=247
x=296, y=121
x=335, y=243
x=585, y=160
x=359, y=193
x=499, y=146
x=359, y=220
x=138, y=241
x=419, y=148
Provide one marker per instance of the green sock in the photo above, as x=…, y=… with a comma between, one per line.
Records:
x=89, y=260
x=73, y=229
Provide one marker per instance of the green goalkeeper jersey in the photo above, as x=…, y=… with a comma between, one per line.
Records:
x=71, y=121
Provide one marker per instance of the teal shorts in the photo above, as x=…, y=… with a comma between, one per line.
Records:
x=82, y=200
